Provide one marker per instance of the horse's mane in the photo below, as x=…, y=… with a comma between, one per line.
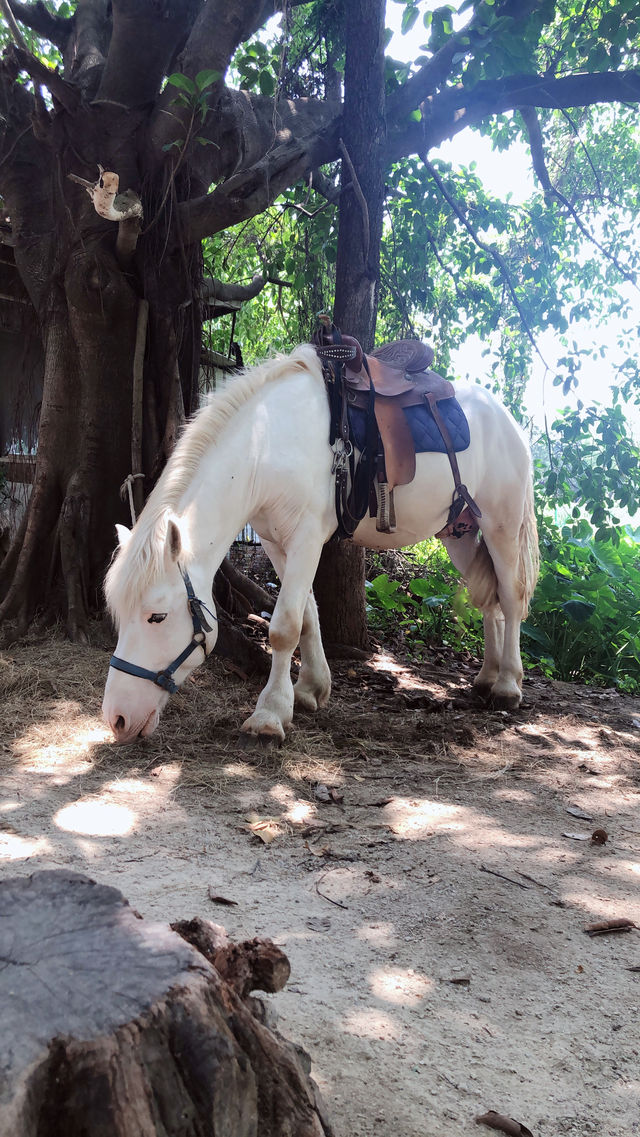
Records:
x=138, y=564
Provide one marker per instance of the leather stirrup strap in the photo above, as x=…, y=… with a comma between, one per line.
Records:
x=461, y=489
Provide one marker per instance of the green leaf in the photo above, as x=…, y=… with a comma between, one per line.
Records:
x=409, y=17
x=267, y=83
x=204, y=79
x=579, y=610
x=183, y=82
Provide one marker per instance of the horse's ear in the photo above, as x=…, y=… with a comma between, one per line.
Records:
x=173, y=546
x=123, y=535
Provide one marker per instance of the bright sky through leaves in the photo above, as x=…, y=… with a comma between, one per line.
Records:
x=510, y=172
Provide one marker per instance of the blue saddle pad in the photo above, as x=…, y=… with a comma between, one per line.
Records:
x=426, y=436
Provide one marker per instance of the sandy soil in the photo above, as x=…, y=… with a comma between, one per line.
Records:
x=433, y=908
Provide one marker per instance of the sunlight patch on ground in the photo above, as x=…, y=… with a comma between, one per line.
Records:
x=414, y=818
x=403, y=988
x=300, y=811
x=510, y=793
x=380, y=935
x=63, y=743
x=15, y=848
x=297, y=810
x=95, y=818
x=240, y=770
x=372, y=1024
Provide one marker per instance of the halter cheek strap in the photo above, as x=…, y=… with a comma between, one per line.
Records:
x=201, y=626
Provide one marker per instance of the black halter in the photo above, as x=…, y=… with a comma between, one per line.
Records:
x=201, y=626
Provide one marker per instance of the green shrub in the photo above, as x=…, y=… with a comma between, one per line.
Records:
x=584, y=620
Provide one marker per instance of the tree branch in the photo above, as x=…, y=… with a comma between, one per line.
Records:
x=92, y=32
x=446, y=114
x=253, y=189
x=427, y=80
x=323, y=185
x=490, y=249
x=587, y=155
x=37, y=17
x=534, y=135
x=213, y=289
x=142, y=46
x=67, y=95
x=13, y=27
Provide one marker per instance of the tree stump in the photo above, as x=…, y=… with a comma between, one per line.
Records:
x=115, y=1027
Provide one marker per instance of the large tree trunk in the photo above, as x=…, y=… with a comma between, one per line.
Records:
x=87, y=290
x=339, y=583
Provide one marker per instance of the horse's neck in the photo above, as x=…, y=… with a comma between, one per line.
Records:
x=219, y=501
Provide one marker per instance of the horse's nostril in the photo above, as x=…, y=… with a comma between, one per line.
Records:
x=119, y=723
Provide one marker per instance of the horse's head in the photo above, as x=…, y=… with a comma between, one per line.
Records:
x=166, y=627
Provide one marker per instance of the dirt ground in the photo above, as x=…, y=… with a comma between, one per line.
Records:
x=414, y=853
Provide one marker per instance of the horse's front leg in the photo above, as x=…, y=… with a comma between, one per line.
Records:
x=294, y=620
x=313, y=686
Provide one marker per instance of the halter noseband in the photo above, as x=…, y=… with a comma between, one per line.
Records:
x=201, y=626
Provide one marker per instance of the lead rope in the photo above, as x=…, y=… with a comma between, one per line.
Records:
x=127, y=488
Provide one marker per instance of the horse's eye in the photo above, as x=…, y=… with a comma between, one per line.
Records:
x=157, y=617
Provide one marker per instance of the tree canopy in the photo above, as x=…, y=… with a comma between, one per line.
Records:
x=229, y=129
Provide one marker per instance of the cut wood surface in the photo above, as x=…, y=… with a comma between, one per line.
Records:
x=115, y=1027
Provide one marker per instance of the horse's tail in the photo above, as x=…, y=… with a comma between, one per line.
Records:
x=480, y=576
x=529, y=549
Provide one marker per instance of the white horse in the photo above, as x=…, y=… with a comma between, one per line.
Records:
x=258, y=452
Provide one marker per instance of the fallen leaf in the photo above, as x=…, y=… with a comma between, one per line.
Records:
x=322, y=792
x=575, y=811
x=505, y=1124
x=599, y=837
x=606, y=926
x=219, y=899
x=578, y=836
x=336, y=796
x=265, y=828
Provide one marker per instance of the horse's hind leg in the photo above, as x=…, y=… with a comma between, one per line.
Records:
x=294, y=620
x=463, y=551
x=490, y=568
x=313, y=686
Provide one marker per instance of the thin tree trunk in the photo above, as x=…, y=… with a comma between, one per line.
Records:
x=339, y=583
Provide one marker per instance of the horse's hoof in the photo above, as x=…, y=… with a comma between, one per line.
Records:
x=505, y=702
x=481, y=692
x=305, y=701
x=257, y=742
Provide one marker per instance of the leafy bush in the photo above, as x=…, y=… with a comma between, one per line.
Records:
x=430, y=609
x=584, y=621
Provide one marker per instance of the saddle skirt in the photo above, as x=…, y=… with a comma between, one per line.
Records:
x=401, y=375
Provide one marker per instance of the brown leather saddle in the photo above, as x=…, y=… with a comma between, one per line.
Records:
x=402, y=377
x=399, y=375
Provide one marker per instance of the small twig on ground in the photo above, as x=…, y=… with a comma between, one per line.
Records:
x=509, y=879
x=324, y=896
